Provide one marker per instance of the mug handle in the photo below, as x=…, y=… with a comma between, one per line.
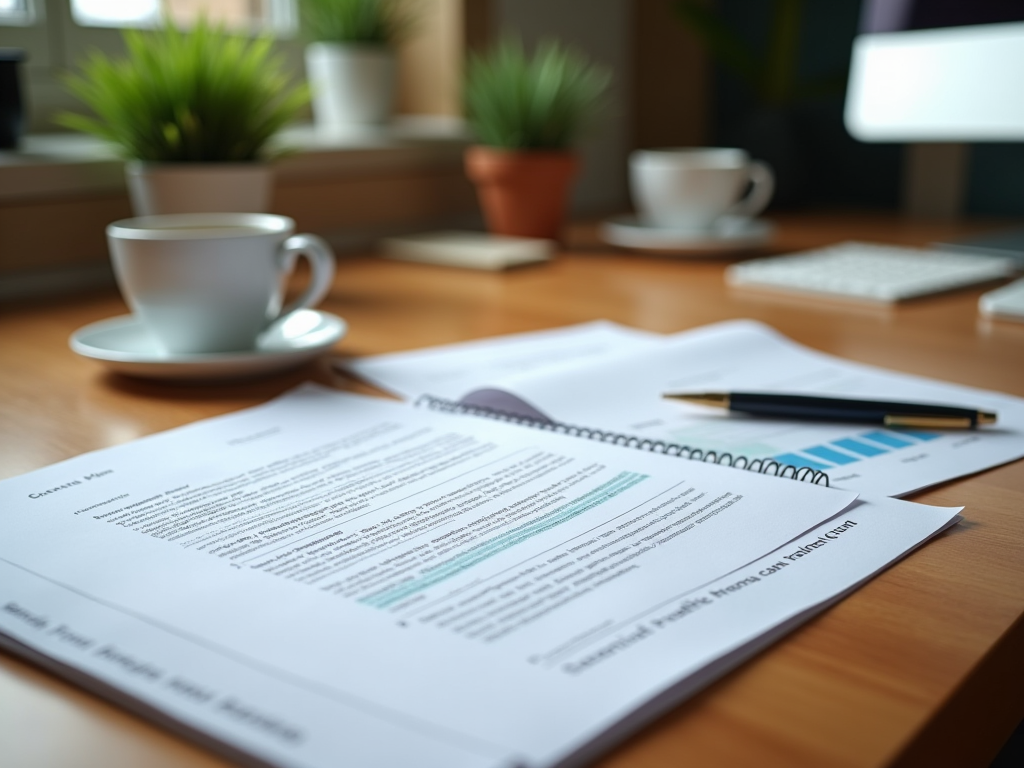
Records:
x=762, y=182
x=321, y=262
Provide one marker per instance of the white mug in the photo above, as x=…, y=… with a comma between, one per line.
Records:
x=211, y=282
x=692, y=188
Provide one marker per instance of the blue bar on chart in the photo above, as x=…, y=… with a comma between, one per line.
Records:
x=886, y=438
x=828, y=454
x=856, y=446
x=920, y=435
x=799, y=461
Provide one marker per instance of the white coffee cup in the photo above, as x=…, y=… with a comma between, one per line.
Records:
x=211, y=282
x=693, y=188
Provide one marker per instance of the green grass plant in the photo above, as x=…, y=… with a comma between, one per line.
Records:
x=199, y=96
x=366, y=22
x=541, y=102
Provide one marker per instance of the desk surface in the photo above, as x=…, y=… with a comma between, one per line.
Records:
x=922, y=666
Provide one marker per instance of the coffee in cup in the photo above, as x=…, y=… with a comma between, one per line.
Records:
x=212, y=282
x=694, y=188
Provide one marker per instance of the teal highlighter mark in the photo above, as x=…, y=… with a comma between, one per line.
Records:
x=799, y=461
x=828, y=454
x=595, y=498
x=919, y=435
x=887, y=438
x=855, y=446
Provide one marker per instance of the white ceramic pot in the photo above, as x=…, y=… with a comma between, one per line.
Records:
x=157, y=188
x=353, y=85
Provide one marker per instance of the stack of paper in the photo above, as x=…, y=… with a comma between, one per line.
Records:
x=332, y=578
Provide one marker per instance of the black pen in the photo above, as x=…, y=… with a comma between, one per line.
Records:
x=891, y=414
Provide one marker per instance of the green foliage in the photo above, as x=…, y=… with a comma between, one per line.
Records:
x=516, y=101
x=201, y=96
x=370, y=22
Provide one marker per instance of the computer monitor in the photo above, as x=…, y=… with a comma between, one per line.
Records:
x=938, y=71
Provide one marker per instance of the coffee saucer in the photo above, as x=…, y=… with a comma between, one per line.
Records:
x=124, y=345
x=728, y=234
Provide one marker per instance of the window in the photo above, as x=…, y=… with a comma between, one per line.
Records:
x=115, y=13
x=16, y=12
x=255, y=15
x=57, y=34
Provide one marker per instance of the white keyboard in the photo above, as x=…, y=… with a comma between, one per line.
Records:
x=1006, y=303
x=870, y=272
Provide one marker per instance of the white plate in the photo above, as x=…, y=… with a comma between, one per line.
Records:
x=728, y=235
x=124, y=345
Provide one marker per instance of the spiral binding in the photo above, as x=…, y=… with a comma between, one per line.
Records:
x=761, y=466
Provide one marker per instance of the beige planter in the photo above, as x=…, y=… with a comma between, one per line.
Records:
x=156, y=188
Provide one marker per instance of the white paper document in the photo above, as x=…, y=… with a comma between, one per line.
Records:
x=623, y=393
x=329, y=579
x=452, y=370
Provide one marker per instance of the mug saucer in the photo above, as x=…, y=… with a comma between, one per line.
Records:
x=124, y=344
x=728, y=234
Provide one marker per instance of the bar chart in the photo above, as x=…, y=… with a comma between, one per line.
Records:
x=848, y=450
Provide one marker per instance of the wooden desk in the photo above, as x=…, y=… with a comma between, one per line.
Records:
x=924, y=666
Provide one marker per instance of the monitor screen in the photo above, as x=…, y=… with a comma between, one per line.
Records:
x=938, y=70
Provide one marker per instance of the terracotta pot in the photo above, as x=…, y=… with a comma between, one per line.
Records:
x=522, y=193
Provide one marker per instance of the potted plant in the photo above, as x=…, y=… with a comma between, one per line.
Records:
x=351, y=63
x=526, y=112
x=193, y=113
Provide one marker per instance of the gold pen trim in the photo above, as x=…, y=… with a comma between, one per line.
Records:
x=929, y=422
x=713, y=399
x=986, y=417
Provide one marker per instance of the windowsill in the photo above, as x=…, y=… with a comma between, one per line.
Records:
x=350, y=188
x=68, y=164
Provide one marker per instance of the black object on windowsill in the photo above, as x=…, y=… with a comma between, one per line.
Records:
x=12, y=114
